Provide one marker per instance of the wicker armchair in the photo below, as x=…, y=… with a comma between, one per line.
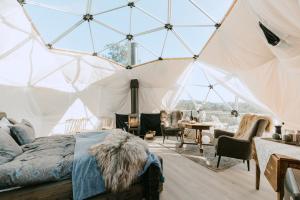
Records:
x=73, y=126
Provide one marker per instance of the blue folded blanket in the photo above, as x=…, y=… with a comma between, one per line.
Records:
x=87, y=180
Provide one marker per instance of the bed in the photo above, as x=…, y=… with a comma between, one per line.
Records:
x=44, y=171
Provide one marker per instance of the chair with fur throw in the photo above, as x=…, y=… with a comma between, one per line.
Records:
x=169, y=124
x=239, y=145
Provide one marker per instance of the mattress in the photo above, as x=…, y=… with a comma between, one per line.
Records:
x=46, y=159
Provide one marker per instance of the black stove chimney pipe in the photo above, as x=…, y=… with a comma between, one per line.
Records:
x=134, y=87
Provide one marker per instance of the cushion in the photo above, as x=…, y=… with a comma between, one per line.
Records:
x=291, y=184
x=165, y=118
x=22, y=133
x=26, y=122
x=2, y=114
x=9, y=149
x=4, y=124
x=12, y=121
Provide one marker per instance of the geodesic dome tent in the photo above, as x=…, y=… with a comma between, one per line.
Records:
x=55, y=55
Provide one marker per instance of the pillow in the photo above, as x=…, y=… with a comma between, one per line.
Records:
x=9, y=149
x=12, y=121
x=4, y=124
x=26, y=122
x=3, y=114
x=22, y=133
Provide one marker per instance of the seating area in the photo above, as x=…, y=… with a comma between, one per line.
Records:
x=149, y=99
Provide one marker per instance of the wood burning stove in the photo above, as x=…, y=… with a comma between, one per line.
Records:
x=133, y=121
x=133, y=118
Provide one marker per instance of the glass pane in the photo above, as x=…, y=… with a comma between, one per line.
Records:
x=152, y=41
x=158, y=8
x=185, y=13
x=195, y=37
x=78, y=40
x=118, y=19
x=197, y=93
x=78, y=6
x=104, y=36
x=50, y=23
x=215, y=8
x=117, y=52
x=199, y=77
x=245, y=107
x=99, y=6
x=174, y=48
x=142, y=22
x=226, y=95
x=113, y=20
x=144, y=55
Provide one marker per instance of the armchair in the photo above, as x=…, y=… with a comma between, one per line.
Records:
x=149, y=122
x=291, y=184
x=169, y=124
x=122, y=121
x=239, y=145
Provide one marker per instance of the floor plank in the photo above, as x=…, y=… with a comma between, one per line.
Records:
x=186, y=179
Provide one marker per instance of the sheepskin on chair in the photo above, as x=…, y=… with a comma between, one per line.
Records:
x=120, y=157
x=249, y=120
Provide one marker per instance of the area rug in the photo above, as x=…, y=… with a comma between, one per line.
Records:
x=192, y=152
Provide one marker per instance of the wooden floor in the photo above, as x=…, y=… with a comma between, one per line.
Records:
x=186, y=180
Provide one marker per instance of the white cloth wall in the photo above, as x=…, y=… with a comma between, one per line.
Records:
x=271, y=73
x=158, y=87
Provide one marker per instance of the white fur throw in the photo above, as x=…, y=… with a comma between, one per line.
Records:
x=120, y=157
x=249, y=121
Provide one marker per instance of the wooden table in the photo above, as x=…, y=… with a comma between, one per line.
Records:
x=199, y=127
x=273, y=158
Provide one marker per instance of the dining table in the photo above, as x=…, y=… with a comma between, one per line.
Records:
x=198, y=127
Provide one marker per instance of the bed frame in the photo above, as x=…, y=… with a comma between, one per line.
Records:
x=147, y=187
